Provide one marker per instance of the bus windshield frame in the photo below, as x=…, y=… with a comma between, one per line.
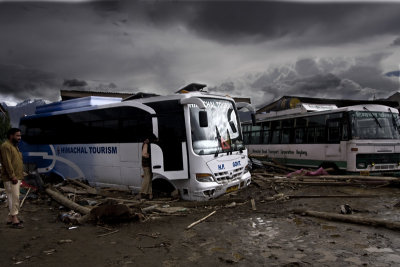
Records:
x=223, y=133
x=374, y=125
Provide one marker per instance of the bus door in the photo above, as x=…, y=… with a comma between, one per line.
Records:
x=170, y=160
x=169, y=156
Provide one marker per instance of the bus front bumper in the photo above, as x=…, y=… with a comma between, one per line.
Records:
x=214, y=190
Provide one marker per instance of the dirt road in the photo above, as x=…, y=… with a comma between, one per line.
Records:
x=270, y=236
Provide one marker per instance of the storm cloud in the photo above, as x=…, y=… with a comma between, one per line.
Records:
x=300, y=23
x=359, y=78
x=261, y=49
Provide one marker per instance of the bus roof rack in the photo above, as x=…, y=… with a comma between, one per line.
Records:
x=193, y=87
x=77, y=103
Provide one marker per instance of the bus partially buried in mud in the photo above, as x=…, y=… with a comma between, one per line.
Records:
x=361, y=139
x=199, y=148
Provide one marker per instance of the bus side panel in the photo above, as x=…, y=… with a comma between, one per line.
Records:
x=130, y=156
x=94, y=162
x=307, y=155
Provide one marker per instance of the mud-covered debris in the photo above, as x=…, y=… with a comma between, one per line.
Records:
x=64, y=241
x=70, y=217
x=231, y=205
x=346, y=209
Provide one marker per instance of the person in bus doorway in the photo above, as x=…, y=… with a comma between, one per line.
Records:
x=146, y=189
x=12, y=172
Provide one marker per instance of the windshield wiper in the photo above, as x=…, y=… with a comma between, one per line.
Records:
x=230, y=142
x=372, y=114
x=394, y=120
x=219, y=142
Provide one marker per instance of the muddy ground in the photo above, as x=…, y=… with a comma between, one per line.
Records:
x=270, y=236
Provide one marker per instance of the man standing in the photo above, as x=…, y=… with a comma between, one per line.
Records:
x=146, y=190
x=12, y=174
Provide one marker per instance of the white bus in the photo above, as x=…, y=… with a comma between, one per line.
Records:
x=199, y=150
x=356, y=139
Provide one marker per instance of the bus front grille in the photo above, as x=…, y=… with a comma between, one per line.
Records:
x=385, y=167
x=228, y=176
x=386, y=159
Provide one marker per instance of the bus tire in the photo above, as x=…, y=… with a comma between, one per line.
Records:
x=162, y=187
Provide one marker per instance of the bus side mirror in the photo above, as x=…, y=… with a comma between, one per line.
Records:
x=203, y=119
x=253, y=119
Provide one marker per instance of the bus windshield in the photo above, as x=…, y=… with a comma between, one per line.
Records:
x=374, y=125
x=223, y=133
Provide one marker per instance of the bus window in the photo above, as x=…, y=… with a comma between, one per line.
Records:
x=276, y=132
x=320, y=135
x=311, y=135
x=345, y=131
x=316, y=129
x=285, y=136
x=266, y=136
x=255, y=137
x=301, y=122
x=317, y=120
x=300, y=136
x=335, y=115
x=287, y=126
x=246, y=138
x=333, y=127
x=275, y=136
x=266, y=132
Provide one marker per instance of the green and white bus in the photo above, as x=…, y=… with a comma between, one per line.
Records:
x=360, y=139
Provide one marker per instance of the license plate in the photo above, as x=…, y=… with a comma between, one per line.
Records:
x=364, y=173
x=232, y=188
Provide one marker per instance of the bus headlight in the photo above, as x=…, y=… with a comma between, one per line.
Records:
x=361, y=165
x=204, y=177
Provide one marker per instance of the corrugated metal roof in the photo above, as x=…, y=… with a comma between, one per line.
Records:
x=287, y=102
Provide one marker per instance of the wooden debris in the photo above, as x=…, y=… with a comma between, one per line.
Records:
x=69, y=189
x=89, y=189
x=211, y=202
x=149, y=209
x=350, y=177
x=66, y=202
x=278, y=166
x=201, y=220
x=332, y=196
x=350, y=219
x=23, y=200
x=109, y=233
x=253, y=204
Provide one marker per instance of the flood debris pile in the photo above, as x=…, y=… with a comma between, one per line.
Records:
x=82, y=203
x=285, y=181
x=87, y=204
x=273, y=173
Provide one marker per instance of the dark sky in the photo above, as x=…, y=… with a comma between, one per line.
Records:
x=262, y=49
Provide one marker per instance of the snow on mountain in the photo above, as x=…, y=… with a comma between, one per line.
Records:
x=22, y=109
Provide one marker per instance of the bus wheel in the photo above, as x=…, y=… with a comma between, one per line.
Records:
x=162, y=188
x=330, y=165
